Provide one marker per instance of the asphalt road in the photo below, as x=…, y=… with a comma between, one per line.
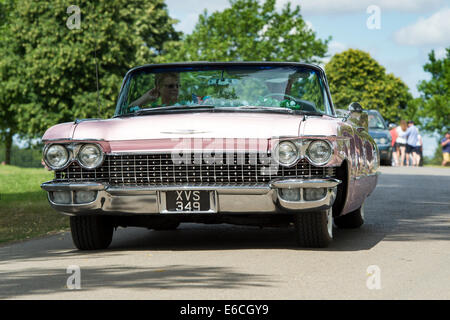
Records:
x=406, y=236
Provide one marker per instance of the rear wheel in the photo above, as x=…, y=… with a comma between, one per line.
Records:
x=314, y=229
x=351, y=220
x=91, y=232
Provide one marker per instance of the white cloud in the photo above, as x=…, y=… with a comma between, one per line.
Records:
x=434, y=30
x=188, y=11
x=440, y=53
x=352, y=6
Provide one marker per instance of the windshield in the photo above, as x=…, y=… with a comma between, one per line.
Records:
x=295, y=88
x=376, y=122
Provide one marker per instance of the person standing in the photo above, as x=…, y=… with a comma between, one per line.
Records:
x=419, y=148
x=394, y=135
x=401, y=141
x=412, y=139
x=445, y=143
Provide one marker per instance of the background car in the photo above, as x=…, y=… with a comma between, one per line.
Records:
x=379, y=131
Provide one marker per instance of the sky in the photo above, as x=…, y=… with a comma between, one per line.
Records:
x=399, y=34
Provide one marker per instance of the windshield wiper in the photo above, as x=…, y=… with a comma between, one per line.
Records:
x=283, y=109
x=166, y=108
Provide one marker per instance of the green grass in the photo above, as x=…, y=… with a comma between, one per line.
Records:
x=24, y=209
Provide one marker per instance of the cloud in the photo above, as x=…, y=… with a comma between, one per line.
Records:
x=312, y=7
x=431, y=31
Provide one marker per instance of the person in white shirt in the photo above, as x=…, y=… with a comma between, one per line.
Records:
x=401, y=140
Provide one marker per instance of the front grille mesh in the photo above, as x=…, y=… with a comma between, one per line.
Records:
x=160, y=169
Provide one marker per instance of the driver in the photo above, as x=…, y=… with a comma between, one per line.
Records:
x=167, y=87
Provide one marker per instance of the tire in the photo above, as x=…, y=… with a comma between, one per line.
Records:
x=166, y=225
x=351, y=220
x=314, y=229
x=91, y=232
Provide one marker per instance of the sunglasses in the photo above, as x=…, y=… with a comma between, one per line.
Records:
x=172, y=86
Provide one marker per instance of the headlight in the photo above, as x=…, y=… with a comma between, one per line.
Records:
x=286, y=153
x=319, y=152
x=90, y=156
x=56, y=156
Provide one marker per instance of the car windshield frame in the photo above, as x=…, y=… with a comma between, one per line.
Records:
x=212, y=66
x=380, y=118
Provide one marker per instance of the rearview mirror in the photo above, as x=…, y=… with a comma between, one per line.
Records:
x=355, y=107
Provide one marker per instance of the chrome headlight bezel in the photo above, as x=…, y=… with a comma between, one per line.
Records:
x=45, y=154
x=293, y=160
x=319, y=163
x=100, y=159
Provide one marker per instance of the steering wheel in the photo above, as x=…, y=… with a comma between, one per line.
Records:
x=304, y=104
x=280, y=94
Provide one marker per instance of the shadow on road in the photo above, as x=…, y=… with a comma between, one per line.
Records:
x=119, y=277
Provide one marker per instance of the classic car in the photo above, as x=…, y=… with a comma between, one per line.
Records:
x=249, y=143
x=379, y=131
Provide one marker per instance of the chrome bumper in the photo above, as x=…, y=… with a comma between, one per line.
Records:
x=224, y=199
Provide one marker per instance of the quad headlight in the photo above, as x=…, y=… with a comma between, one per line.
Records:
x=90, y=156
x=56, y=156
x=319, y=152
x=286, y=153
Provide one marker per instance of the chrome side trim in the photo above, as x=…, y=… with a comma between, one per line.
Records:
x=297, y=183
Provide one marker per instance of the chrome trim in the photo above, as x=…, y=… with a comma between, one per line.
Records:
x=301, y=183
x=324, y=203
x=223, y=199
x=91, y=186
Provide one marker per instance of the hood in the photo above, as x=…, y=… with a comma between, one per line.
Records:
x=181, y=125
x=379, y=133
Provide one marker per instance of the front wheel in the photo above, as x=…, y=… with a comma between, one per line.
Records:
x=314, y=229
x=91, y=232
x=351, y=220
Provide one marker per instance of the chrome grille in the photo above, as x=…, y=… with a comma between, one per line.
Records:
x=160, y=169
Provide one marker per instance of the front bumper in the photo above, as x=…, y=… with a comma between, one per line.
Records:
x=223, y=199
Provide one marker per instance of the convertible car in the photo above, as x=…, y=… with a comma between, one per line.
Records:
x=250, y=143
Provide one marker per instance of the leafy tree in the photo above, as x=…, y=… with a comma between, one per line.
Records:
x=354, y=75
x=250, y=31
x=49, y=71
x=10, y=90
x=434, y=103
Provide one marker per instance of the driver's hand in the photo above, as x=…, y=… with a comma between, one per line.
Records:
x=152, y=94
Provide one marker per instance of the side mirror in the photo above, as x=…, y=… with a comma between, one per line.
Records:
x=355, y=107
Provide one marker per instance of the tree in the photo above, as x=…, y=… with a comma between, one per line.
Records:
x=10, y=90
x=434, y=103
x=252, y=31
x=354, y=75
x=52, y=67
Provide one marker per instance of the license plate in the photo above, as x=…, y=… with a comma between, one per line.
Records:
x=188, y=201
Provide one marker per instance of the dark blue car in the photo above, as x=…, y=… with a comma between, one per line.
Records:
x=379, y=131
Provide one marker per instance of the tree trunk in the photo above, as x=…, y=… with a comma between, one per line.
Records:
x=8, y=146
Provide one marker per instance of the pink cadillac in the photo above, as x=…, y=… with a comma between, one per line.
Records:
x=253, y=143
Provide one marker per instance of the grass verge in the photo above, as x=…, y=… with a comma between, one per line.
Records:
x=24, y=209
